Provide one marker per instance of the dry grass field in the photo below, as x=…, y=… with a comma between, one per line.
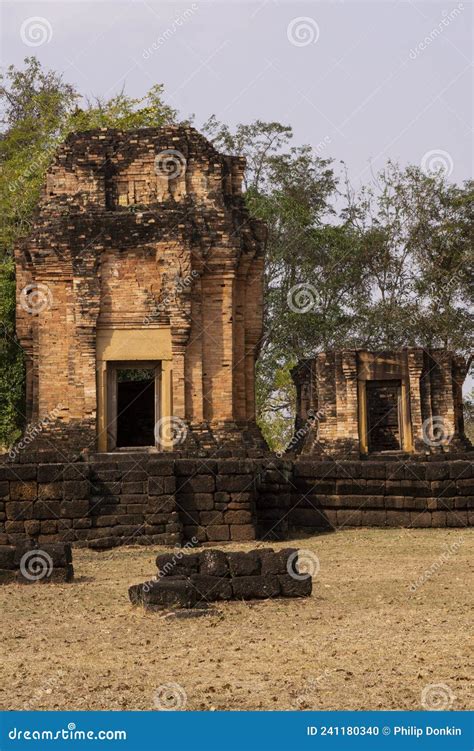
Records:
x=364, y=640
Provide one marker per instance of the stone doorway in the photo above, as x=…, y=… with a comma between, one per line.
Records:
x=135, y=407
x=384, y=432
x=133, y=403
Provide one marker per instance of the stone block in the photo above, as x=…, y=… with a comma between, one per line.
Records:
x=161, y=485
x=211, y=588
x=200, y=484
x=74, y=509
x=50, y=473
x=8, y=576
x=311, y=517
x=348, y=517
x=32, y=527
x=398, y=518
x=438, y=518
x=167, y=593
x=244, y=564
x=76, y=489
x=161, y=504
x=194, y=531
x=177, y=564
x=420, y=519
x=242, y=532
x=46, y=510
x=19, y=510
x=217, y=532
x=460, y=470
x=23, y=491
x=238, y=517
x=235, y=483
x=133, y=488
x=160, y=467
x=213, y=563
x=255, y=587
x=291, y=587
x=373, y=517
x=50, y=491
x=21, y=471
x=465, y=487
x=457, y=518
x=211, y=517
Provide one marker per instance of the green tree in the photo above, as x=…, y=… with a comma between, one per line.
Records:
x=417, y=233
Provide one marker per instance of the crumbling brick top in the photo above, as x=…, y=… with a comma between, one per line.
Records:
x=115, y=169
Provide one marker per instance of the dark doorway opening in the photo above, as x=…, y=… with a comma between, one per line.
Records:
x=383, y=415
x=135, y=407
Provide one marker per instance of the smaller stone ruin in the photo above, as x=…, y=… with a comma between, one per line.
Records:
x=196, y=579
x=355, y=403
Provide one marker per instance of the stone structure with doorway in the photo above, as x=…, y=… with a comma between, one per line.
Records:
x=355, y=402
x=139, y=294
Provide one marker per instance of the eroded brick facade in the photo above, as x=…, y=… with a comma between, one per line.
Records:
x=142, y=253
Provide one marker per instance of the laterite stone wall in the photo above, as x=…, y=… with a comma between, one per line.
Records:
x=319, y=495
x=119, y=499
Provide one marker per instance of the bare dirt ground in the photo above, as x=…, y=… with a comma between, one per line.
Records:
x=364, y=640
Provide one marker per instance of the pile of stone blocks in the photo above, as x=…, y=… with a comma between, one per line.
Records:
x=27, y=563
x=196, y=579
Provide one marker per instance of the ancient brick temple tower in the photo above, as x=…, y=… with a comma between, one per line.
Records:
x=139, y=293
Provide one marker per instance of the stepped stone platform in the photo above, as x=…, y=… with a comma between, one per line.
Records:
x=143, y=498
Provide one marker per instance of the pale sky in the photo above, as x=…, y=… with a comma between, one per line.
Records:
x=364, y=80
